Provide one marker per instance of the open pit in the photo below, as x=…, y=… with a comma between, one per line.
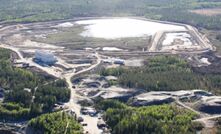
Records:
x=94, y=86
x=195, y=100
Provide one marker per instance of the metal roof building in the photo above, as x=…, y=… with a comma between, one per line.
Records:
x=45, y=57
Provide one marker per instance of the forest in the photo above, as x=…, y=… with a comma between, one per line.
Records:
x=55, y=123
x=27, y=94
x=163, y=119
x=169, y=10
x=165, y=73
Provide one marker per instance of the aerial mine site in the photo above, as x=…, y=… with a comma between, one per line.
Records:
x=68, y=49
x=110, y=67
x=78, y=44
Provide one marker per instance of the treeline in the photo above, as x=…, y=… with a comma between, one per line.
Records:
x=165, y=73
x=26, y=92
x=185, y=16
x=163, y=119
x=55, y=123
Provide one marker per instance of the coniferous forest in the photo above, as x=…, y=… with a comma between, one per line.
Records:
x=164, y=119
x=27, y=94
x=165, y=73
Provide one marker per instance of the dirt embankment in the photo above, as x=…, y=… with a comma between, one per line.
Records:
x=213, y=68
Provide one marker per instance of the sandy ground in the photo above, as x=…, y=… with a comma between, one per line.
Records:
x=207, y=12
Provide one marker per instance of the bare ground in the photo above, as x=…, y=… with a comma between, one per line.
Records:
x=208, y=12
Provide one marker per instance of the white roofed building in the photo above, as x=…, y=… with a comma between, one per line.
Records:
x=45, y=57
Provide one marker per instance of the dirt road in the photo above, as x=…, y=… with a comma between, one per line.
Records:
x=206, y=120
x=202, y=40
x=72, y=104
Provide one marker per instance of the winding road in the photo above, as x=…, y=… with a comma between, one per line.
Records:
x=72, y=104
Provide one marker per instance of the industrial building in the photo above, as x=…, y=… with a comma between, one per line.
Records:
x=114, y=61
x=44, y=58
x=119, y=62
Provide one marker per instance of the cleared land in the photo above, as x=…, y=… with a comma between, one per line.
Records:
x=208, y=12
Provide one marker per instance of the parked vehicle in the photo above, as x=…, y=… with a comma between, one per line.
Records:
x=80, y=119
